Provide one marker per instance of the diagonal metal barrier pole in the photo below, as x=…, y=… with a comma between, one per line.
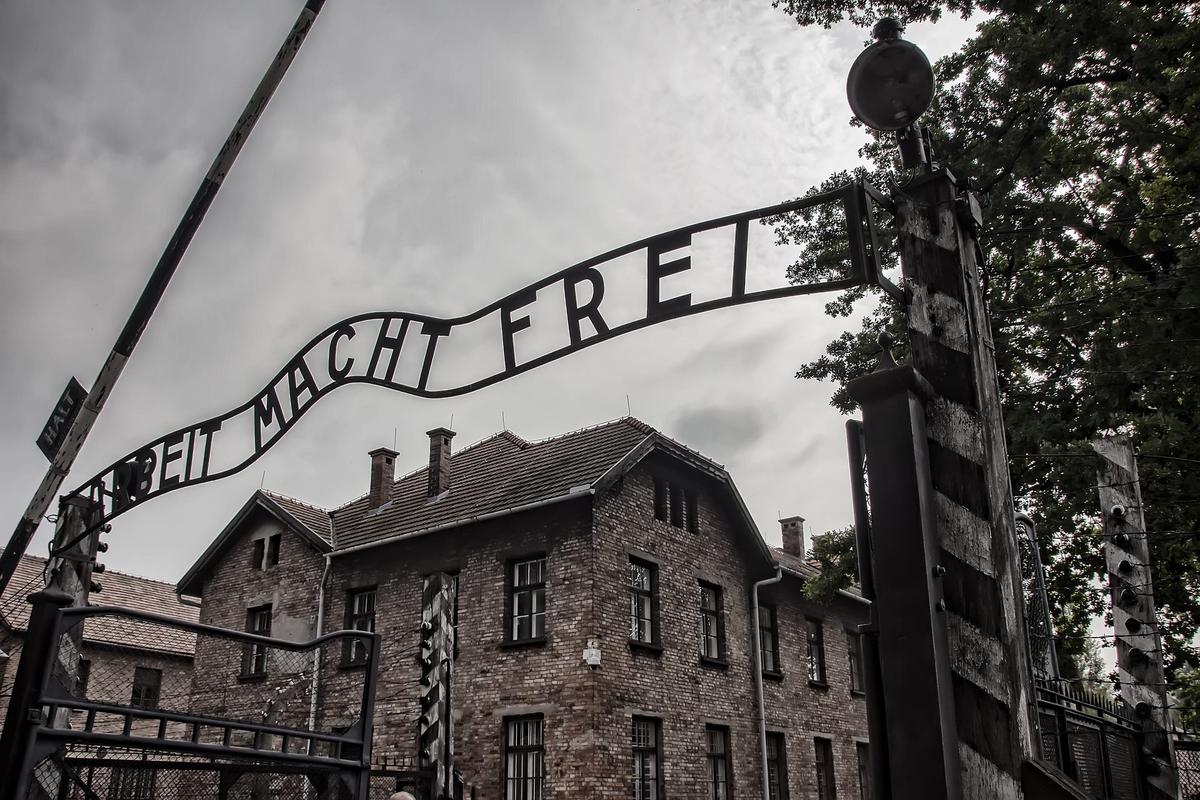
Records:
x=60, y=465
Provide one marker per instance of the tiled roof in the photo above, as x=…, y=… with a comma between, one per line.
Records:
x=499, y=473
x=799, y=567
x=120, y=589
x=316, y=520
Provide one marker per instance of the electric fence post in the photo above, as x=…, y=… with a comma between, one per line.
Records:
x=1139, y=644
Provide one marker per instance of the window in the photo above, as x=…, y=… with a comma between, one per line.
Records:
x=360, y=616
x=82, y=675
x=862, y=750
x=258, y=621
x=662, y=500
x=854, y=648
x=777, y=781
x=273, y=550
x=528, y=603
x=712, y=627
x=256, y=553
x=823, y=764
x=146, y=685
x=642, y=581
x=816, y=651
x=524, y=756
x=647, y=750
x=720, y=787
x=131, y=783
x=768, y=633
x=675, y=504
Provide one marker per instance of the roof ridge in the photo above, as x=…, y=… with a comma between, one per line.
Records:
x=633, y=422
x=298, y=501
x=517, y=440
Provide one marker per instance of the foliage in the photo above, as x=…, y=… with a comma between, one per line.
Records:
x=835, y=557
x=1079, y=122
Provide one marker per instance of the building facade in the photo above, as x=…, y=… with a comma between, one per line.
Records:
x=119, y=663
x=615, y=540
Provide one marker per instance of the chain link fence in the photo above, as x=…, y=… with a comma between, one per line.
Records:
x=188, y=710
x=240, y=691
x=1187, y=759
x=92, y=772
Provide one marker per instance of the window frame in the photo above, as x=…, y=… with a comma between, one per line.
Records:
x=513, y=590
x=256, y=650
x=258, y=550
x=271, y=557
x=823, y=773
x=781, y=789
x=354, y=651
x=654, y=643
x=655, y=751
x=814, y=634
x=712, y=759
x=854, y=654
x=772, y=630
x=717, y=617
x=539, y=787
x=138, y=693
x=862, y=752
x=130, y=782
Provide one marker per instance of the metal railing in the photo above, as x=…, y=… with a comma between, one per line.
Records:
x=1091, y=738
x=183, y=694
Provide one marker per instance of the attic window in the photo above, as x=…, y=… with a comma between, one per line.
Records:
x=675, y=504
x=265, y=552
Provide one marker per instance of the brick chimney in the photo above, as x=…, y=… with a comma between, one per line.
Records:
x=793, y=535
x=439, y=460
x=383, y=475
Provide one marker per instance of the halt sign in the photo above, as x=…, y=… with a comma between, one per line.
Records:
x=64, y=413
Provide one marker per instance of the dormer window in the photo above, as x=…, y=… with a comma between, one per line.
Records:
x=264, y=553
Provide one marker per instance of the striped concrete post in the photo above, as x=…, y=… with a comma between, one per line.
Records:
x=951, y=343
x=1139, y=647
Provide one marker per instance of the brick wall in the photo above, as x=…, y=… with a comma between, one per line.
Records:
x=802, y=711
x=587, y=713
x=233, y=588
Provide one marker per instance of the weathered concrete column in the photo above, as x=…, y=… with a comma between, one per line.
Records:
x=1139, y=645
x=951, y=344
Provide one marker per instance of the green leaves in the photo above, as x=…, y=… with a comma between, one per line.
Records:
x=1080, y=121
x=835, y=556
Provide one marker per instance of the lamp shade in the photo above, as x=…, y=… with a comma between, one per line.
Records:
x=890, y=85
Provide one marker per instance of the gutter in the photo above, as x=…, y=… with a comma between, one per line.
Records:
x=574, y=494
x=758, y=678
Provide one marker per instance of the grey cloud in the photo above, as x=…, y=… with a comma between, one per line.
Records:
x=720, y=433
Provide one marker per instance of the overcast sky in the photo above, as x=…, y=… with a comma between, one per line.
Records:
x=424, y=157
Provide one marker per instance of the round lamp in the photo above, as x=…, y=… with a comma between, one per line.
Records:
x=891, y=82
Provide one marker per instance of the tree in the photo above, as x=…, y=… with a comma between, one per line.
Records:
x=836, y=559
x=1079, y=123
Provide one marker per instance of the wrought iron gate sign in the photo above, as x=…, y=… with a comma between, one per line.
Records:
x=404, y=351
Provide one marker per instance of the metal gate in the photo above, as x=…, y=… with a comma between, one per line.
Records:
x=1091, y=739
x=254, y=718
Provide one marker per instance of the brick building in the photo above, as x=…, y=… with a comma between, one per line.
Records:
x=613, y=537
x=120, y=663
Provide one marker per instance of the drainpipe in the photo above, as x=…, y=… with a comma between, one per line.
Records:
x=758, y=680
x=316, y=676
